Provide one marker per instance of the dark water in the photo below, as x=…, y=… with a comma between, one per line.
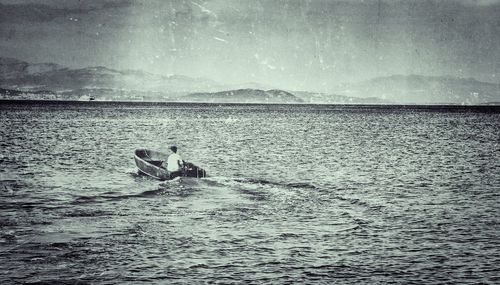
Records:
x=297, y=194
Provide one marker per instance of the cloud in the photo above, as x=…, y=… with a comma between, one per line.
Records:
x=117, y=4
x=19, y=13
x=33, y=12
x=479, y=2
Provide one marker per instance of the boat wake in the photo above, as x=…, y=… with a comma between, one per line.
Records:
x=147, y=187
x=306, y=185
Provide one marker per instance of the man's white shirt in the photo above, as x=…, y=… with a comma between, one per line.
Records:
x=173, y=162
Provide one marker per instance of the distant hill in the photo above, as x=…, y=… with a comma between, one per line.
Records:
x=13, y=94
x=417, y=89
x=324, y=98
x=11, y=68
x=248, y=85
x=244, y=96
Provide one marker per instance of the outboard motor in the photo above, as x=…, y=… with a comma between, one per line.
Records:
x=191, y=170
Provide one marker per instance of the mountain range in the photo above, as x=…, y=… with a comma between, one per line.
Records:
x=418, y=89
x=23, y=80
x=16, y=74
x=245, y=96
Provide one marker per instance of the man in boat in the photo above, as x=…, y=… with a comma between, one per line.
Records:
x=174, y=163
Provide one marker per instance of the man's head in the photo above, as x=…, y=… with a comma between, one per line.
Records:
x=173, y=148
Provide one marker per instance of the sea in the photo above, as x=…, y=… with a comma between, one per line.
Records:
x=296, y=194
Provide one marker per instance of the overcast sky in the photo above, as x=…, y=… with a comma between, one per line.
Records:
x=292, y=44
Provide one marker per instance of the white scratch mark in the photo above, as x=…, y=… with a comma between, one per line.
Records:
x=204, y=10
x=219, y=39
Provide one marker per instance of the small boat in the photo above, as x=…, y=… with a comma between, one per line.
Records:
x=150, y=163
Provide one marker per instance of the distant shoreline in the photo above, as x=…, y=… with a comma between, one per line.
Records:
x=490, y=108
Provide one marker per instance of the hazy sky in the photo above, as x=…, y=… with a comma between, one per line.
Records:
x=306, y=45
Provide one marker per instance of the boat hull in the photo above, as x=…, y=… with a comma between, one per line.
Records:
x=150, y=163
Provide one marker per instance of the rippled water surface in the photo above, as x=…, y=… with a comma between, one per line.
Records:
x=296, y=194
